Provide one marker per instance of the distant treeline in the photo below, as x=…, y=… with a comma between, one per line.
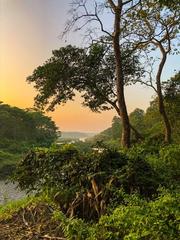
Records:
x=24, y=127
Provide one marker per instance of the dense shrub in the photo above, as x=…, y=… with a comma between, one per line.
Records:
x=135, y=219
x=152, y=220
x=138, y=175
x=84, y=184
x=163, y=159
x=108, y=194
x=7, y=163
x=167, y=164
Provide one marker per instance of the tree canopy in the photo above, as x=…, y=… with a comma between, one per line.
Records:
x=26, y=125
x=88, y=71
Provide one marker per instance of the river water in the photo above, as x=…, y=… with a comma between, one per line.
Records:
x=9, y=191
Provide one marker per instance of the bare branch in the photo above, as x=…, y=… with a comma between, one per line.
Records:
x=128, y=1
x=112, y=5
x=87, y=16
x=100, y=22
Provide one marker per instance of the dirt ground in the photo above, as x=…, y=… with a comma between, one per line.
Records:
x=31, y=223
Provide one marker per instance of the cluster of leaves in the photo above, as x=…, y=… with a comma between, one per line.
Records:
x=7, y=163
x=167, y=163
x=163, y=159
x=84, y=184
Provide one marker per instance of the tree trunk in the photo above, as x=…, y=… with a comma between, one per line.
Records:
x=125, y=140
x=138, y=135
x=162, y=111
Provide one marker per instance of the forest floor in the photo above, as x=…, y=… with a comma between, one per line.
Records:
x=31, y=223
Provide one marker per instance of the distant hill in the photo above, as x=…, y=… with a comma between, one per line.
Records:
x=76, y=135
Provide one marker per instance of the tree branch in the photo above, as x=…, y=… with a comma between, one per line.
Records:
x=112, y=5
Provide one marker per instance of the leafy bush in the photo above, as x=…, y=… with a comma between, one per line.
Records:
x=135, y=219
x=84, y=184
x=74, y=228
x=157, y=219
x=163, y=159
x=170, y=162
x=7, y=163
x=167, y=164
x=138, y=175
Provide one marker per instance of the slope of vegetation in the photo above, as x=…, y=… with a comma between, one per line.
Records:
x=149, y=123
x=126, y=194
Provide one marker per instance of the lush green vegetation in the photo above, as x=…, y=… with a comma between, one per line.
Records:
x=135, y=219
x=149, y=123
x=97, y=189
x=20, y=130
x=110, y=194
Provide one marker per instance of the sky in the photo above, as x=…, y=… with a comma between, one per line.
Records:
x=29, y=31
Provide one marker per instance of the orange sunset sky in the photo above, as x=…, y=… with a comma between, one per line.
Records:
x=29, y=31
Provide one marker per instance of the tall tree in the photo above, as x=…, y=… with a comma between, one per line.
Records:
x=92, y=73
x=153, y=121
x=118, y=8
x=158, y=30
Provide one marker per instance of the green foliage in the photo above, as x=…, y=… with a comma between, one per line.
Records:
x=167, y=164
x=150, y=124
x=74, y=228
x=146, y=220
x=165, y=161
x=7, y=210
x=153, y=120
x=14, y=146
x=172, y=101
x=92, y=73
x=123, y=183
x=111, y=136
x=5, y=156
x=65, y=166
x=134, y=219
x=19, y=128
x=19, y=131
x=139, y=176
x=91, y=180
x=7, y=163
